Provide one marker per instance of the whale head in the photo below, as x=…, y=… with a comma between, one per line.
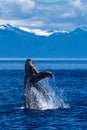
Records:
x=32, y=74
x=30, y=69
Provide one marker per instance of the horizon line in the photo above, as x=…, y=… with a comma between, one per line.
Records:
x=53, y=59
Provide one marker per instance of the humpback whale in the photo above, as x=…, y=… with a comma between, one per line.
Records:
x=33, y=85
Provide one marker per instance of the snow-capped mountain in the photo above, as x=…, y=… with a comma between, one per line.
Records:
x=22, y=42
x=6, y=27
x=38, y=32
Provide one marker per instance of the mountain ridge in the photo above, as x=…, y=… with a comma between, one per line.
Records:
x=18, y=43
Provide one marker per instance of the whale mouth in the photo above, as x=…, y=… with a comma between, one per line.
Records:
x=31, y=63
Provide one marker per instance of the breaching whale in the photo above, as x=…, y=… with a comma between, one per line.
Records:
x=33, y=86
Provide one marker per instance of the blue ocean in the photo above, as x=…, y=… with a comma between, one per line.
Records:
x=67, y=109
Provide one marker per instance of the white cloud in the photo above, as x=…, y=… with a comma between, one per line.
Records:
x=26, y=5
x=23, y=22
x=78, y=7
x=46, y=15
x=13, y=9
x=68, y=14
x=76, y=3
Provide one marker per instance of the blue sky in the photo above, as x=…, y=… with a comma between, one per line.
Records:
x=44, y=14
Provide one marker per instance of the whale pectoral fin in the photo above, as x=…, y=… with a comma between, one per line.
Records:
x=40, y=76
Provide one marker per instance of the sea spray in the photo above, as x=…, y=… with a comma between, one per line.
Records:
x=60, y=99
x=46, y=97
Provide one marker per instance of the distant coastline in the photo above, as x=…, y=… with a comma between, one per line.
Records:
x=45, y=59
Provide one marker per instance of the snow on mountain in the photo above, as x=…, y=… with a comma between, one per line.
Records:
x=7, y=26
x=60, y=31
x=42, y=32
x=2, y=27
x=24, y=42
x=37, y=31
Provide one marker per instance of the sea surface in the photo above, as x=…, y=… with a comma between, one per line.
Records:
x=69, y=89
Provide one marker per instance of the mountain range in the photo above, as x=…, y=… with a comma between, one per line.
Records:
x=16, y=42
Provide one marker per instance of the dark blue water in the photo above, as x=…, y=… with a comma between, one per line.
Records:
x=69, y=84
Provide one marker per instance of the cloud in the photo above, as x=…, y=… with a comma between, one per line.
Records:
x=63, y=14
x=23, y=22
x=15, y=9
x=78, y=7
x=76, y=3
x=68, y=14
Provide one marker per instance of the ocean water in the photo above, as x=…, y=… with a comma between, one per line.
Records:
x=68, y=91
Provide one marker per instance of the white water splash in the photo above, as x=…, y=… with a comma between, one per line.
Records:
x=50, y=100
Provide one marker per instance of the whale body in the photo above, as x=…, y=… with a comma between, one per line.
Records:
x=33, y=87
